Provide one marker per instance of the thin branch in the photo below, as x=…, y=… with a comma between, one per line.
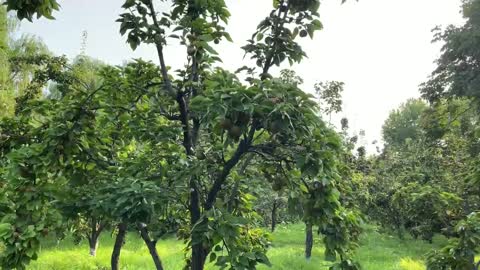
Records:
x=161, y=58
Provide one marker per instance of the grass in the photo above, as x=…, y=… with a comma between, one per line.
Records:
x=377, y=252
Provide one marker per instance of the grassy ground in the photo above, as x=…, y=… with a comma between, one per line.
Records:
x=377, y=252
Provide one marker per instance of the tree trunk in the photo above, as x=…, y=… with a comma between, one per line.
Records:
x=274, y=215
x=198, y=252
x=119, y=242
x=96, y=229
x=151, y=244
x=93, y=244
x=198, y=257
x=308, y=240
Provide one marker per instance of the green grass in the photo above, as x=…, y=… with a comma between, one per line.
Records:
x=377, y=252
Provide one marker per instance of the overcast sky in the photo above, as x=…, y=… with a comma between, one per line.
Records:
x=381, y=49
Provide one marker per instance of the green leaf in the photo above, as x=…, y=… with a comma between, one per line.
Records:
x=213, y=256
x=295, y=32
x=317, y=25
x=227, y=36
x=128, y=4
x=259, y=36
x=206, y=37
x=310, y=30
x=5, y=229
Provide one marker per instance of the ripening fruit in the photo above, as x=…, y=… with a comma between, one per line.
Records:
x=243, y=118
x=235, y=131
x=191, y=50
x=276, y=126
x=45, y=232
x=283, y=8
x=303, y=33
x=226, y=124
x=216, y=41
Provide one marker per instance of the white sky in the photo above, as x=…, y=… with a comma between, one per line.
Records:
x=381, y=49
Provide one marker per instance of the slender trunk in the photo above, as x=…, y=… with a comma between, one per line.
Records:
x=399, y=228
x=93, y=244
x=151, y=245
x=119, y=242
x=274, y=215
x=96, y=230
x=308, y=240
x=198, y=252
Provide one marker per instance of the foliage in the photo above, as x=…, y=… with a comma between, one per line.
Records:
x=330, y=95
x=26, y=9
x=455, y=78
x=424, y=210
x=417, y=185
x=460, y=252
x=163, y=147
x=404, y=123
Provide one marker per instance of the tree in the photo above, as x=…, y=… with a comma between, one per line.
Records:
x=456, y=77
x=330, y=95
x=218, y=121
x=419, y=169
x=404, y=123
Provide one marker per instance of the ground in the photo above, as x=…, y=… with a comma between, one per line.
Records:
x=378, y=251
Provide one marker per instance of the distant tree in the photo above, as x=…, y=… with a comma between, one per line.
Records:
x=457, y=76
x=330, y=95
x=404, y=123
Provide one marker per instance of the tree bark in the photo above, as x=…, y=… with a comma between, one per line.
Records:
x=151, y=245
x=198, y=252
x=96, y=229
x=198, y=257
x=308, y=240
x=93, y=244
x=274, y=215
x=119, y=242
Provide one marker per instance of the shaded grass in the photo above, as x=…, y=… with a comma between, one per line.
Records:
x=377, y=252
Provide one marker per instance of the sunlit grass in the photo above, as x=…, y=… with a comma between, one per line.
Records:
x=410, y=264
x=377, y=252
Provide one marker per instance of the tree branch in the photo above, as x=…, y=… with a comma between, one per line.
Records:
x=161, y=58
x=242, y=148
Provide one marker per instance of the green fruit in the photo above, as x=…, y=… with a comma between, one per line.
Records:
x=191, y=50
x=226, y=124
x=276, y=126
x=303, y=33
x=235, y=132
x=216, y=41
